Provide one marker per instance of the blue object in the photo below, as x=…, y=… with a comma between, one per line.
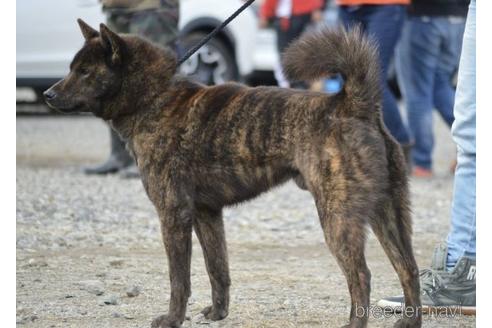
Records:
x=334, y=84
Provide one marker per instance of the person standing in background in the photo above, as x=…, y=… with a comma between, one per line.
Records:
x=290, y=18
x=449, y=285
x=156, y=20
x=426, y=60
x=383, y=21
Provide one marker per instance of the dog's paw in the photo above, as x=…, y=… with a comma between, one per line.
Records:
x=164, y=321
x=214, y=314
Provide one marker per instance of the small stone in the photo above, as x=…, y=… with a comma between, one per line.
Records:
x=133, y=291
x=116, y=263
x=30, y=318
x=128, y=317
x=109, y=300
x=116, y=315
x=95, y=287
x=61, y=242
x=36, y=263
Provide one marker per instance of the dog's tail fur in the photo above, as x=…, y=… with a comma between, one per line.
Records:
x=329, y=51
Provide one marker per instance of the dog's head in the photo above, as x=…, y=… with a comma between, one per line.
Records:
x=110, y=74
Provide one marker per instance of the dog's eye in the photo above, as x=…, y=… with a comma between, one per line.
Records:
x=83, y=71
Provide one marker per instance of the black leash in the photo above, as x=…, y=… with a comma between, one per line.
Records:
x=190, y=52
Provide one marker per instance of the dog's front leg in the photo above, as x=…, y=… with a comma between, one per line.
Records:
x=176, y=226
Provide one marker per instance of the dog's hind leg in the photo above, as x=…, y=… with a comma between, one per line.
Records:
x=209, y=228
x=345, y=235
x=395, y=238
x=392, y=226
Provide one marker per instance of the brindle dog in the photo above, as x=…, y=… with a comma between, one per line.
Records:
x=201, y=148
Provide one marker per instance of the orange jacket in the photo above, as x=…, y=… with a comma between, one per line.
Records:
x=372, y=2
x=299, y=7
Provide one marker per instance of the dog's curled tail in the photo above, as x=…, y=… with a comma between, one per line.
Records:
x=328, y=51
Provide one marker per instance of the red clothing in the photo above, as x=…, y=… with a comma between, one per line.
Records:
x=372, y=2
x=299, y=7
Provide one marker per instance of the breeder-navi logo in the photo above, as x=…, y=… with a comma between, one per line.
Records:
x=403, y=311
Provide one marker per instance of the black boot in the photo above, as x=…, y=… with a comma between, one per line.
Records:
x=118, y=159
x=407, y=152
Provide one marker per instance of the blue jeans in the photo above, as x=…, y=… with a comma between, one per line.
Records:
x=426, y=59
x=383, y=23
x=462, y=236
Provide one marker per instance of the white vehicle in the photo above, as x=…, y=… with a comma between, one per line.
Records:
x=48, y=37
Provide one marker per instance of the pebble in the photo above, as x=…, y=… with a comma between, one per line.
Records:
x=29, y=318
x=133, y=290
x=109, y=300
x=95, y=287
x=37, y=263
x=61, y=242
x=116, y=263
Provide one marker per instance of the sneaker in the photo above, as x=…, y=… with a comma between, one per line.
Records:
x=443, y=292
x=421, y=172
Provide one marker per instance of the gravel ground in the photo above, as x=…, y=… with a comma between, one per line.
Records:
x=84, y=242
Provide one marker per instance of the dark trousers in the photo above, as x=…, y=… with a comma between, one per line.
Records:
x=288, y=33
x=297, y=24
x=384, y=23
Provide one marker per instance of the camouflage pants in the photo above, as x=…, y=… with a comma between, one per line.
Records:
x=156, y=25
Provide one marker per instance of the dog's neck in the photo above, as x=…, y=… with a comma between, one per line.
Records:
x=168, y=99
x=141, y=90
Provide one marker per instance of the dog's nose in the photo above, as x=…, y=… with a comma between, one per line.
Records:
x=49, y=94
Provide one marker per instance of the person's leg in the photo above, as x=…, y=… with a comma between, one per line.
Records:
x=444, y=95
x=282, y=42
x=452, y=37
x=462, y=236
x=350, y=16
x=156, y=25
x=450, y=283
x=384, y=24
x=286, y=33
x=416, y=62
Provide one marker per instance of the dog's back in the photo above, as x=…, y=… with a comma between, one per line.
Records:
x=240, y=141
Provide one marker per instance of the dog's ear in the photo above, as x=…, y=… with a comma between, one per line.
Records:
x=113, y=43
x=87, y=31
